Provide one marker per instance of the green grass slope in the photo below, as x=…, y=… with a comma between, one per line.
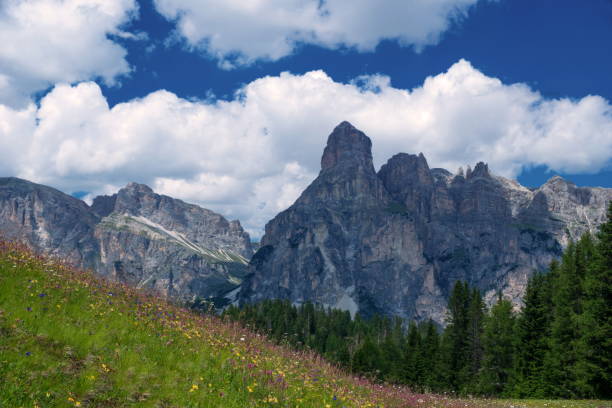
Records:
x=70, y=339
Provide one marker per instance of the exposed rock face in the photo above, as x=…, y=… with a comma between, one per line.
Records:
x=395, y=242
x=135, y=236
x=181, y=250
x=49, y=220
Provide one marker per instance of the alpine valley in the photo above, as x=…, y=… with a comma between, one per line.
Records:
x=391, y=242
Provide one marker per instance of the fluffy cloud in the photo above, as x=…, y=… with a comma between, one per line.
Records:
x=50, y=41
x=250, y=157
x=241, y=31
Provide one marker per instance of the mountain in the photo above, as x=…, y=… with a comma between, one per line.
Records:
x=49, y=220
x=135, y=236
x=389, y=242
x=395, y=242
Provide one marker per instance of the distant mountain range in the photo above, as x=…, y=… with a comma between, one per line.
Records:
x=135, y=236
x=390, y=242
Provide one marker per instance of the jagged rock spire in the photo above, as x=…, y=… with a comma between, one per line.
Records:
x=481, y=170
x=347, y=144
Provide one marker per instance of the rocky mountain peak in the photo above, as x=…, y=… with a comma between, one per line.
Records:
x=346, y=144
x=137, y=188
x=396, y=242
x=557, y=183
x=135, y=236
x=407, y=177
x=47, y=220
x=481, y=170
x=406, y=168
x=135, y=198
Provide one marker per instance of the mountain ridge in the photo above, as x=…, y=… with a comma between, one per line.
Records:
x=180, y=250
x=394, y=241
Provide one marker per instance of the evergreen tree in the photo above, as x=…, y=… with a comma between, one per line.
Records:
x=367, y=359
x=432, y=379
x=474, y=348
x=532, y=332
x=562, y=359
x=594, y=368
x=454, y=342
x=391, y=358
x=412, y=364
x=498, y=342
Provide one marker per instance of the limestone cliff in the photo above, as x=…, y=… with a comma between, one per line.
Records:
x=135, y=236
x=394, y=242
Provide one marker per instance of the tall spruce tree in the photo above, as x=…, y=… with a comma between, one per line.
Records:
x=532, y=333
x=432, y=379
x=562, y=360
x=594, y=367
x=391, y=358
x=498, y=342
x=474, y=348
x=367, y=359
x=455, y=339
x=412, y=366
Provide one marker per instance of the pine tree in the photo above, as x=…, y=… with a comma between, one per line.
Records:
x=562, y=359
x=594, y=368
x=532, y=333
x=367, y=358
x=474, y=348
x=498, y=342
x=412, y=356
x=391, y=357
x=432, y=379
x=454, y=342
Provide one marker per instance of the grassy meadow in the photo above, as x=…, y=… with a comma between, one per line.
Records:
x=70, y=339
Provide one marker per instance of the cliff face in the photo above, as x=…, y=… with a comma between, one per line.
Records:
x=48, y=220
x=135, y=236
x=394, y=242
x=182, y=250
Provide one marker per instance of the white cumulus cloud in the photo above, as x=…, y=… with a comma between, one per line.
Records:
x=49, y=41
x=242, y=31
x=250, y=157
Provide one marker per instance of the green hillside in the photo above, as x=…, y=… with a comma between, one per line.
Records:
x=70, y=339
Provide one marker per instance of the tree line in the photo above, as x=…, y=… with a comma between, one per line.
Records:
x=558, y=345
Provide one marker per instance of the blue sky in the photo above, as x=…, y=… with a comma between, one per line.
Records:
x=228, y=103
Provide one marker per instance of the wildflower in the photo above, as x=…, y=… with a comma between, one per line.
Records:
x=28, y=353
x=194, y=387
